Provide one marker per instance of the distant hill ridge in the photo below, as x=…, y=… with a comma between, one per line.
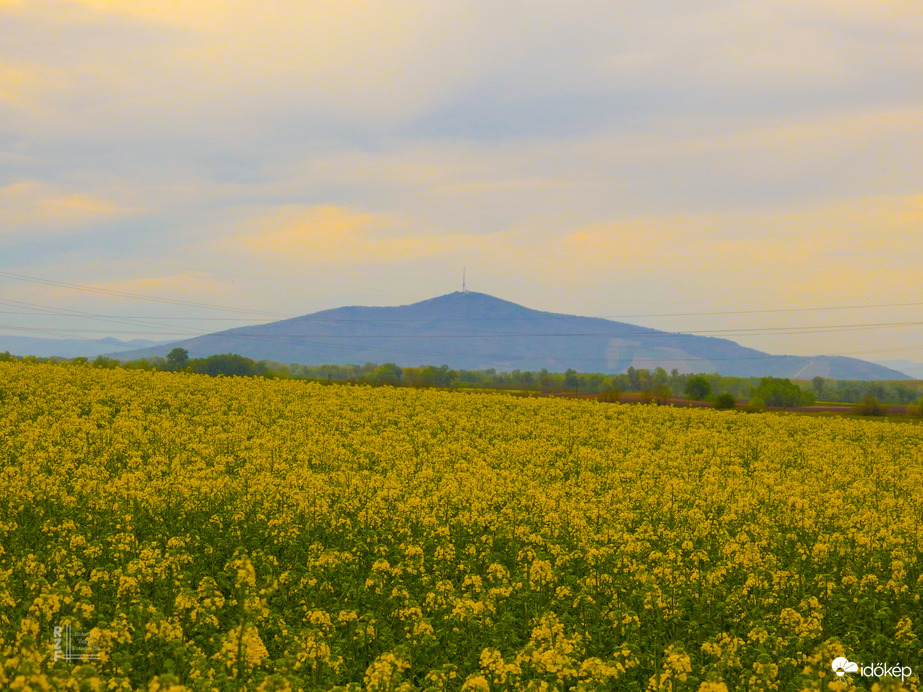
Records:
x=473, y=331
x=67, y=348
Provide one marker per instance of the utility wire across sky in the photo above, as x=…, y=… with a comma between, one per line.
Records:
x=161, y=330
x=281, y=315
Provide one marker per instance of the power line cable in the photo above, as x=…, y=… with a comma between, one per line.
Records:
x=136, y=296
x=139, y=321
x=218, y=272
x=814, y=329
x=59, y=312
x=280, y=315
x=513, y=357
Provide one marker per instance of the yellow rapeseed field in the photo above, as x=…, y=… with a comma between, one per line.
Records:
x=228, y=534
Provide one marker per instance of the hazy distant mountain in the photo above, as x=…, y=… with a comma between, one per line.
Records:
x=477, y=331
x=68, y=348
x=909, y=367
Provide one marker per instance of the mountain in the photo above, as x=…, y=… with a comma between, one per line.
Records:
x=68, y=348
x=468, y=330
x=910, y=367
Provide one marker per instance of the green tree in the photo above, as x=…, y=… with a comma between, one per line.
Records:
x=445, y=376
x=903, y=394
x=178, y=359
x=424, y=376
x=697, y=388
x=818, y=383
x=545, y=380
x=634, y=379
x=103, y=362
x=659, y=378
x=225, y=364
x=387, y=373
x=780, y=391
x=660, y=392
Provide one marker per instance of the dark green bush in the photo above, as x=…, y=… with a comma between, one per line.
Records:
x=610, y=397
x=725, y=401
x=869, y=406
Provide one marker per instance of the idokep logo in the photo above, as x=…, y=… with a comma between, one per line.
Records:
x=842, y=665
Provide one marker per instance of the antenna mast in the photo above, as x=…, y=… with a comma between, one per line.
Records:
x=464, y=290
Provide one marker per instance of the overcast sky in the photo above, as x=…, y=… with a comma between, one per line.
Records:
x=644, y=161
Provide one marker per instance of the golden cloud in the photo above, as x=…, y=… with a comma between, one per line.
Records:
x=183, y=285
x=30, y=204
x=798, y=137
x=104, y=295
x=325, y=234
x=855, y=240
x=479, y=187
x=868, y=10
x=22, y=85
x=350, y=55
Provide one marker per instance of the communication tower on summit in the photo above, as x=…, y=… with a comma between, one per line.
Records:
x=464, y=290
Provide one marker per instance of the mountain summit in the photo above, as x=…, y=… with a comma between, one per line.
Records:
x=472, y=330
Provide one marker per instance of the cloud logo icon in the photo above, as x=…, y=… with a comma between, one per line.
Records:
x=841, y=666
